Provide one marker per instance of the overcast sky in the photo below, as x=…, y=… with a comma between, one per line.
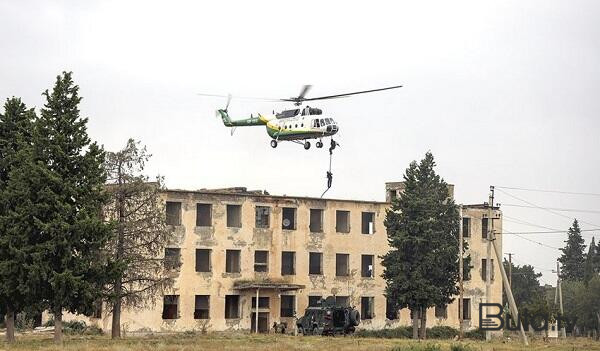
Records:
x=503, y=93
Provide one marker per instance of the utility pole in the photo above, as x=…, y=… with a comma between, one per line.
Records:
x=559, y=295
x=488, y=266
x=510, y=268
x=460, y=272
x=507, y=288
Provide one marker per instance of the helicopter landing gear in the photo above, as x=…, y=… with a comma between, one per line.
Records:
x=273, y=143
x=306, y=145
x=319, y=144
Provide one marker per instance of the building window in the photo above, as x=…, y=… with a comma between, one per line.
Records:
x=262, y=216
x=316, y=220
x=366, y=307
x=314, y=301
x=288, y=263
x=288, y=218
x=342, y=268
x=466, y=309
x=203, y=215
x=466, y=227
x=261, y=261
x=263, y=302
x=484, y=228
x=203, y=260
x=202, y=307
x=170, y=307
x=232, y=261
x=367, y=266
x=287, y=305
x=342, y=221
x=173, y=213
x=232, y=306
x=172, y=258
x=234, y=216
x=343, y=301
x=441, y=312
x=391, y=310
x=315, y=263
x=484, y=267
x=368, y=222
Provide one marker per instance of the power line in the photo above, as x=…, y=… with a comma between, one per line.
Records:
x=548, y=191
x=533, y=241
x=554, y=208
x=550, y=232
x=545, y=209
x=520, y=221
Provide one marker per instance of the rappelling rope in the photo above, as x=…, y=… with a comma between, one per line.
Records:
x=329, y=174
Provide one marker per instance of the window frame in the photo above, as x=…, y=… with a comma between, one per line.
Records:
x=260, y=217
x=337, y=220
x=229, y=222
x=293, y=266
x=209, y=256
x=320, y=255
x=198, y=311
x=362, y=222
x=228, y=268
x=337, y=269
x=261, y=264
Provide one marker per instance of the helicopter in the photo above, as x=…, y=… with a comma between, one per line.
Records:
x=299, y=125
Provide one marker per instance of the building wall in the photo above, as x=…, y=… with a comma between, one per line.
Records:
x=219, y=238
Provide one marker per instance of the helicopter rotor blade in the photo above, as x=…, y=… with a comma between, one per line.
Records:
x=352, y=93
x=305, y=90
x=240, y=97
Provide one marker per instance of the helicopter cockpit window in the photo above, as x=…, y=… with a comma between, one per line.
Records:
x=322, y=122
x=315, y=111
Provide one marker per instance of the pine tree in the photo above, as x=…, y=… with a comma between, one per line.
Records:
x=69, y=190
x=16, y=291
x=591, y=261
x=141, y=232
x=421, y=270
x=573, y=257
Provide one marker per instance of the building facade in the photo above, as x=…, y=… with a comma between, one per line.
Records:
x=243, y=260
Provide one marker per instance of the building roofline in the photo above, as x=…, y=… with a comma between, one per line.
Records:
x=255, y=194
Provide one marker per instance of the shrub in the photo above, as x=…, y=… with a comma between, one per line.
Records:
x=388, y=333
x=476, y=334
x=442, y=332
x=74, y=327
x=418, y=347
x=460, y=347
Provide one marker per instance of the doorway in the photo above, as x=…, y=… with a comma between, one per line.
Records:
x=263, y=322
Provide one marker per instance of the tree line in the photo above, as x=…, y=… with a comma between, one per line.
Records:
x=78, y=225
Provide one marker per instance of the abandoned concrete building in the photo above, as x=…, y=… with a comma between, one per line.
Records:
x=239, y=253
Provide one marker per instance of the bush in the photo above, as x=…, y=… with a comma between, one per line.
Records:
x=74, y=327
x=476, y=334
x=388, y=333
x=442, y=332
x=418, y=347
x=460, y=347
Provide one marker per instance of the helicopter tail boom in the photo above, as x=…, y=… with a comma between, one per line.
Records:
x=252, y=121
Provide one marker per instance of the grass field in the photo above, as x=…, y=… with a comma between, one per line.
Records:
x=181, y=342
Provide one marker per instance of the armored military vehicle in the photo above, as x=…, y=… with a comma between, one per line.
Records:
x=328, y=318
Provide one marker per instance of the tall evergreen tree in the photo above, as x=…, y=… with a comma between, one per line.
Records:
x=69, y=193
x=573, y=257
x=421, y=270
x=16, y=291
x=591, y=262
x=141, y=232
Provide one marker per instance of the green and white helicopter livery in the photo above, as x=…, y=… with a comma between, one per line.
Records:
x=297, y=125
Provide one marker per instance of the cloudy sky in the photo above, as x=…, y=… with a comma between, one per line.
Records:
x=502, y=93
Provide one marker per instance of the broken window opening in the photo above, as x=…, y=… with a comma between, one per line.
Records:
x=343, y=301
x=263, y=302
x=288, y=263
x=484, y=228
x=234, y=216
x=366, y=307
x=367, y=266
x=342, y=221
x=368, y=222
x=202, y=307
x=232, y=306
x=315, y=263
x=262, y=216
x=466, y=309
x=203, y=263
x=170, y=307
x=316, y=220
x=342, y=265
x=261, y=261
x=441, y=312
x=173, y=210
x=466, y=227
x=172, y=258
x=484, y=266
x=288, y=303
x=288, y=218
x=203, y=215
x=314, y=301
x=232, y=261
